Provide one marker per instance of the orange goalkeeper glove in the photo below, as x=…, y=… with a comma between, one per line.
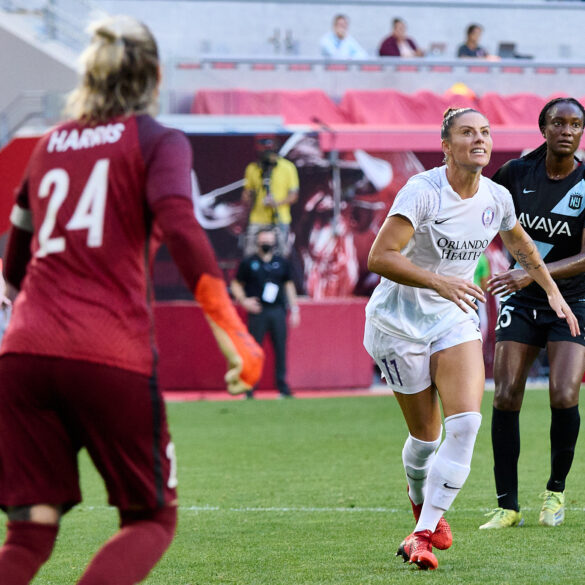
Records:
x=244, y=356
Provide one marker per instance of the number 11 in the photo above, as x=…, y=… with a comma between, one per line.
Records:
x=395, y=367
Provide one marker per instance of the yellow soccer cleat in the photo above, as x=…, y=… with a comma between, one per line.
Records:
x=552, y=512
x=502, y=518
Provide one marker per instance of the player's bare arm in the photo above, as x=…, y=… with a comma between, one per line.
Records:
x=521, y=246
x=570, y=266
x=512, y=280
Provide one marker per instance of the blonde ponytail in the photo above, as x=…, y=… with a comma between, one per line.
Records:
x=120, y=72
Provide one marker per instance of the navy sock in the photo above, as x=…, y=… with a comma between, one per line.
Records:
x=506, y=447
x=564, y=430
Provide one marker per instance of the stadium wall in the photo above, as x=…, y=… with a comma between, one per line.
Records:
x=27, y=64
x=325, y=352
x=190, y=29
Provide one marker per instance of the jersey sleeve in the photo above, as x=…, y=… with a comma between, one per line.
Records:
x=287, y=272
x=509, y=218
x=293, y=178
x=18, y=248
x=249, y=177
x=168, y=172
x=241, y=272
x=186, y=240
x=417, y=201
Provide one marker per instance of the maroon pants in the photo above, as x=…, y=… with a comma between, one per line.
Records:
x=52, y=407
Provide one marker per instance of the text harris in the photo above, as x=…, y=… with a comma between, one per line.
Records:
x=86, y=138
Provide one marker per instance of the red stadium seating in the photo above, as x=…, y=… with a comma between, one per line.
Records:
x=380, y=107
x=393, y=107
x=520, y=109
x=296, y=107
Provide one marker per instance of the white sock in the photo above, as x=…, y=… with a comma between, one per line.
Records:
x=417, y=457
x=450, y=467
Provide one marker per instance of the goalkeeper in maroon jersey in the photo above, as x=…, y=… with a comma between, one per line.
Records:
x=78, y=362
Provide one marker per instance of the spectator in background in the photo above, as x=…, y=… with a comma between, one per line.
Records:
x=398, y=44
x=471, y=47
x=264, y=287
x=271, y=186
x=338, y=44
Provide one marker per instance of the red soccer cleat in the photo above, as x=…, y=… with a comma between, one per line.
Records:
x=442, y=537
x=418, y=549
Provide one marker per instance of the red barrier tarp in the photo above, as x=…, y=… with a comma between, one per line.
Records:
x=296, y=107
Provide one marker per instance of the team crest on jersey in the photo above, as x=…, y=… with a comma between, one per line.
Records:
x=487, y=217
x=575, y=201
x=572, y=204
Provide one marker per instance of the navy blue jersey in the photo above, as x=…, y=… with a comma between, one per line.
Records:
x=553, y=214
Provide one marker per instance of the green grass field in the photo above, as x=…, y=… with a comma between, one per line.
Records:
x=307, y=492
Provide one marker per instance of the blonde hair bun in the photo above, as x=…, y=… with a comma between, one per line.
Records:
x=119, y=71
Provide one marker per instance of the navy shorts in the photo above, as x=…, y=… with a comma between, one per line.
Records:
x=537, y=326
x=52, y=407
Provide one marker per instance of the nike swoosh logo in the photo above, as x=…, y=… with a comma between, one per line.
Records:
x=526, y=191
x=450, y=487
x=440, y=221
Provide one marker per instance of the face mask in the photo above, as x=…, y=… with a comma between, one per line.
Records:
x=266, y=248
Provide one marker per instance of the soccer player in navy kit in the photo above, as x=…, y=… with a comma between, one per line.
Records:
x=78, y=361
x=421, y=325
x=548, y=188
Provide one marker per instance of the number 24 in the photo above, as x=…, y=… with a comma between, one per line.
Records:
x=89, y=213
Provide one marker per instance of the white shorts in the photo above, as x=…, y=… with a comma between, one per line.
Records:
x=406, y=365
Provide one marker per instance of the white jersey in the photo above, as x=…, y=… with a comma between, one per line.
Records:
x=450, y=234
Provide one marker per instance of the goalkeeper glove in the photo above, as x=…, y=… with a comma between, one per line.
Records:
x=244, y=356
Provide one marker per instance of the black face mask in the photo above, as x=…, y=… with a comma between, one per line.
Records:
x=266, y=248
x=267, y=160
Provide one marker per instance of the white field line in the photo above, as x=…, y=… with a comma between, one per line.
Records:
x=318, y=510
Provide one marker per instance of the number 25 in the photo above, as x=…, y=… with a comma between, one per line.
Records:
x=89, y=213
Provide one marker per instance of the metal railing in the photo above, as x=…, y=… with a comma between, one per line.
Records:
x=63, y=21
x=29, y=107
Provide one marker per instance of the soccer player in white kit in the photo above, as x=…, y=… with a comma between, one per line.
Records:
x=422, y=328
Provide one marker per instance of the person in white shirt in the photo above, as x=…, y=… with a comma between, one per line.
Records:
x=338, y=44
x=421, y=322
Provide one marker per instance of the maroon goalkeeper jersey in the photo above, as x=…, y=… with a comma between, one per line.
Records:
x=91, y=192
